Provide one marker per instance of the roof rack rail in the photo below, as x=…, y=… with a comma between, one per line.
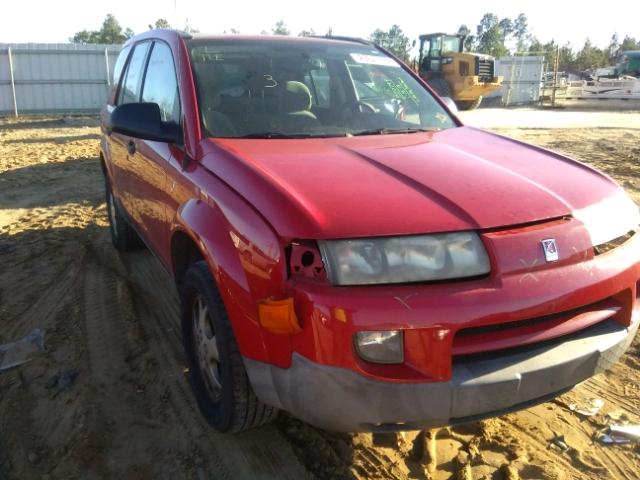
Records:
x=344, y=38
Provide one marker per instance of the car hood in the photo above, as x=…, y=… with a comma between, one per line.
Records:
x=457, y=179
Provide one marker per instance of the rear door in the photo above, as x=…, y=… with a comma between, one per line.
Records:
x=122, y=147
x=148, y=178
x=107, y=141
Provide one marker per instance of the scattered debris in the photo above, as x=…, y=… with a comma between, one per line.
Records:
x=617, y=434
x=590, y=408
x=560, y=442
x=17, y=353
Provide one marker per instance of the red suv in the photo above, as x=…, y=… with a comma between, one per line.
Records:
x=346, y=250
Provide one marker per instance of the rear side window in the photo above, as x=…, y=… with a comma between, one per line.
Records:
x=160, y=84
x=117, y=68
x=130, y=90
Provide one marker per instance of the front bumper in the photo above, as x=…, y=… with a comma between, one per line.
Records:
x=482, y=386
x=472, y=87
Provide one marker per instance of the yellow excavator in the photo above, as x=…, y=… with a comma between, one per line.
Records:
x=465, y=77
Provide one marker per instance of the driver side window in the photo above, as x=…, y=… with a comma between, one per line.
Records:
x=160, y=83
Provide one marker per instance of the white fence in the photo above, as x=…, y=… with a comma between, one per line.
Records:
x=55, y=78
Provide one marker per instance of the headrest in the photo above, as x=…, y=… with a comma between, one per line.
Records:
x=296, y=97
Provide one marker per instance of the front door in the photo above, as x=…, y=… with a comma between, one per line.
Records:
x=149, y=182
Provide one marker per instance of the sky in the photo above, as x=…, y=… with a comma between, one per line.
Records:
x=54, y=21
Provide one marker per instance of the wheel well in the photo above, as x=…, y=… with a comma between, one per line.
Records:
x=184, y=253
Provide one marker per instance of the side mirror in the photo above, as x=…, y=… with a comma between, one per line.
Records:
x=451, y=105
x=143, y=120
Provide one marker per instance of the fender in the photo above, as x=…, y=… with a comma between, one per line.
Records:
x=247, y=261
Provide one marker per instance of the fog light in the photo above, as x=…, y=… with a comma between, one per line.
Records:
x=380, y=346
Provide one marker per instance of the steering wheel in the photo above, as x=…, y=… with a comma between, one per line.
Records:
x=348, y=110
x=358, y=106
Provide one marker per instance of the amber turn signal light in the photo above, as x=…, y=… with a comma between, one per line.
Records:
x=278, y=316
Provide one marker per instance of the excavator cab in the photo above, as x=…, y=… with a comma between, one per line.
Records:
x=465, y=77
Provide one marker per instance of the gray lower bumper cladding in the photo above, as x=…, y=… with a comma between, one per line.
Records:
x=342, y=400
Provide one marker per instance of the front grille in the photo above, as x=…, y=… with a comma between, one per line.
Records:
x=616, y=242
x=484, y=69
x=500, y=336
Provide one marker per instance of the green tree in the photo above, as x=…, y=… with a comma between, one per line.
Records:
x=394, y=40
x=160, y=23
x=589, y=57
x=307, y=33
x=280, y=28
x=111, y=32
x=521, y=32
x=613, y=49
x=629, y=43
x=469, y=39
x=491, y=34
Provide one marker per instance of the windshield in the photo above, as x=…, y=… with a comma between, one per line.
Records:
x=290, y=89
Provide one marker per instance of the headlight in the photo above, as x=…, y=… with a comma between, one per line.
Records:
x=417, y=258
x=380, y=347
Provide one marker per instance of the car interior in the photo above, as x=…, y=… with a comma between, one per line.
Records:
x=290, y=93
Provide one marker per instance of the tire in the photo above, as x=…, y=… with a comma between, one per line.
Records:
x=440, y=86
x=221, y=385
x=469, y=104
x=123, y=236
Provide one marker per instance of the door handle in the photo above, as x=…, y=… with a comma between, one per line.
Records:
x=131, y=147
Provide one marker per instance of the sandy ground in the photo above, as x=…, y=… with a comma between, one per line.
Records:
x=550, y=118
x=111, y=327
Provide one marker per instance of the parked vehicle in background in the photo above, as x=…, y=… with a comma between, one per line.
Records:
x=451, y=72
x=629, y=63
x=346, y=250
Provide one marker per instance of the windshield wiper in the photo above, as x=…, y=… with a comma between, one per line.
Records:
x=269, y=135
x=289, y=135
x=387, y=131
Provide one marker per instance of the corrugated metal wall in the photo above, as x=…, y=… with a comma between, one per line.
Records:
x=522, y=79
x=55, y=78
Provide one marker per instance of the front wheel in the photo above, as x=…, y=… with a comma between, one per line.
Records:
x=218, y=378
x=469, y=104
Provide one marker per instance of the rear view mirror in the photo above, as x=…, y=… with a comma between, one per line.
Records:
x=451, y=105
x=143, y=120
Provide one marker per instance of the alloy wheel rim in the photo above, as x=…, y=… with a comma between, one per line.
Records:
x=206, y=347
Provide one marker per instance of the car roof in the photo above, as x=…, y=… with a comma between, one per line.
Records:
x=277, y=39
x=230, y=38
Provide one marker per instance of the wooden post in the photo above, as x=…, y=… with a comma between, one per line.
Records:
x=13, y=84
x=556, y=64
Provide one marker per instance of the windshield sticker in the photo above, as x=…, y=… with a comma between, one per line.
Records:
x=374, y=60
x=399, y=89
